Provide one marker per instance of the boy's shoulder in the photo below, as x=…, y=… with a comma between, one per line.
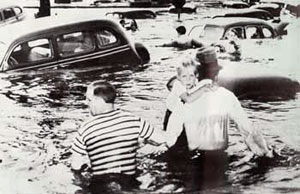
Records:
x=178, y=88
x=225, y=92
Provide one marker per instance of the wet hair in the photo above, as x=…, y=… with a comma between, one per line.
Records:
x=186, y=61
x=181, y=30
x=104, y=90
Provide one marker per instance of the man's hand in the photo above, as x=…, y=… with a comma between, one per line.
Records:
x=151, y=149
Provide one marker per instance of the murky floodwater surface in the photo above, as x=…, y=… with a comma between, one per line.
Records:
x=40, y=113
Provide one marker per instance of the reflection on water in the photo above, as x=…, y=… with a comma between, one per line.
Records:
x=40, y=111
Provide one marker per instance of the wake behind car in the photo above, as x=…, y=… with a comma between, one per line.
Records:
x=10, y=13
x=59, y=42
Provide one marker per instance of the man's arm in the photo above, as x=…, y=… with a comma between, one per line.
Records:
x=253, y=138
x=79, y=156
x=169, y=44
x=197, y=91
x=197, y=44
x=191, y=97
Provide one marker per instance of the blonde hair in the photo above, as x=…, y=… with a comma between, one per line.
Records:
x=184, y=62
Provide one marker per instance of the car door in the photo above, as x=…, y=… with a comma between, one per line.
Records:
x=32, y=54
x=94, y=47
x=258, y=40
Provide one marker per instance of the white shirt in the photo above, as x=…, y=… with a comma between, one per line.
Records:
x=206, y=120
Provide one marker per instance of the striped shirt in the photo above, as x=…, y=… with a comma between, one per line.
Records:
x=111, y=140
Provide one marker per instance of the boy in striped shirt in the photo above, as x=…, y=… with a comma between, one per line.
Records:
x=110, y=138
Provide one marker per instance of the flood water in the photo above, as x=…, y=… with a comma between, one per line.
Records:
x=41, y=111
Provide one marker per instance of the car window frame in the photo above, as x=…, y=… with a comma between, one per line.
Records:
x=19, y=8
x=10, y=18
x=230, y=27
x=31, y=63
x=113, y=32
x=256, y=26
x=78, y=53
x=269, y=28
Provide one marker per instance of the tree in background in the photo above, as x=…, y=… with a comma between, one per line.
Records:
x=178, y=6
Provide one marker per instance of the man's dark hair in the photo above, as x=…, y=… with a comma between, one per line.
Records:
x=105, y=91
x=181, y=30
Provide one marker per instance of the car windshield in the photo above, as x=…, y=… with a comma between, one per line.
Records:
x=212, y=32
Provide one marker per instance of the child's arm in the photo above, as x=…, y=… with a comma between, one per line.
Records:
x=191, y=97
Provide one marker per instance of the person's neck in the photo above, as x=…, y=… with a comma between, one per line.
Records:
x=105, y=108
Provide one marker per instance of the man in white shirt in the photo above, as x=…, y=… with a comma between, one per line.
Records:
x=206, y=121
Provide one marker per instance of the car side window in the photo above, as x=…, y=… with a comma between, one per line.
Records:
x=8, y=13
x=253, y=32
x=30, y=52
x=17, y=10
x=75, y=43
x=105, y=38
x=233, y=33
x=267, y=33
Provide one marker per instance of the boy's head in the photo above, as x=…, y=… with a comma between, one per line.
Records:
x=99, y=94
x=181, y=30
x=187, y=72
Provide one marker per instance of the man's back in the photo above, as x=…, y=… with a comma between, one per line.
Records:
x=111, y=141
x=207, y=130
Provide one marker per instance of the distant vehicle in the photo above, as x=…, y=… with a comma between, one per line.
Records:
x=274, y=9
x=244, y=28
x=140, y=3
x=99, y=2
x=209, y=3
x=134, y=14
x=185, y=9
x=65, y=42
x=235, y=4
x=281, y=3
x=11, y=13
x=149, y=3
x=248, y=12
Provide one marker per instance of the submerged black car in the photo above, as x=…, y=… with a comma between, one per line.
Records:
x=58, y=42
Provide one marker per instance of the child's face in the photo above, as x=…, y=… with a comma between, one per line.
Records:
x=188, y=77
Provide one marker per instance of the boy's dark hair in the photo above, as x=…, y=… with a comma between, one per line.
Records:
x=181, y=30
x=105, y=91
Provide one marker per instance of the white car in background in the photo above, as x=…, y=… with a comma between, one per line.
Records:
x=10, y=13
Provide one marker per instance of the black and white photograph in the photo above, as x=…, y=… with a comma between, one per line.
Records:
x=149, y=96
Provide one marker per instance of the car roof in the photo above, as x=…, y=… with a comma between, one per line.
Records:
x=228, y=21
x=247, y=10
x=234, y=2
x=266, y=5
x=244, y=11
x=14, y=31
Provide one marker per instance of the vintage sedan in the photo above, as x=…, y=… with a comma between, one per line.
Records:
x=10, y=13
x=273, y=8
x=243, y=28
x=247, y=12
x=134, y=14
x=235, y=4
x=59, y=42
